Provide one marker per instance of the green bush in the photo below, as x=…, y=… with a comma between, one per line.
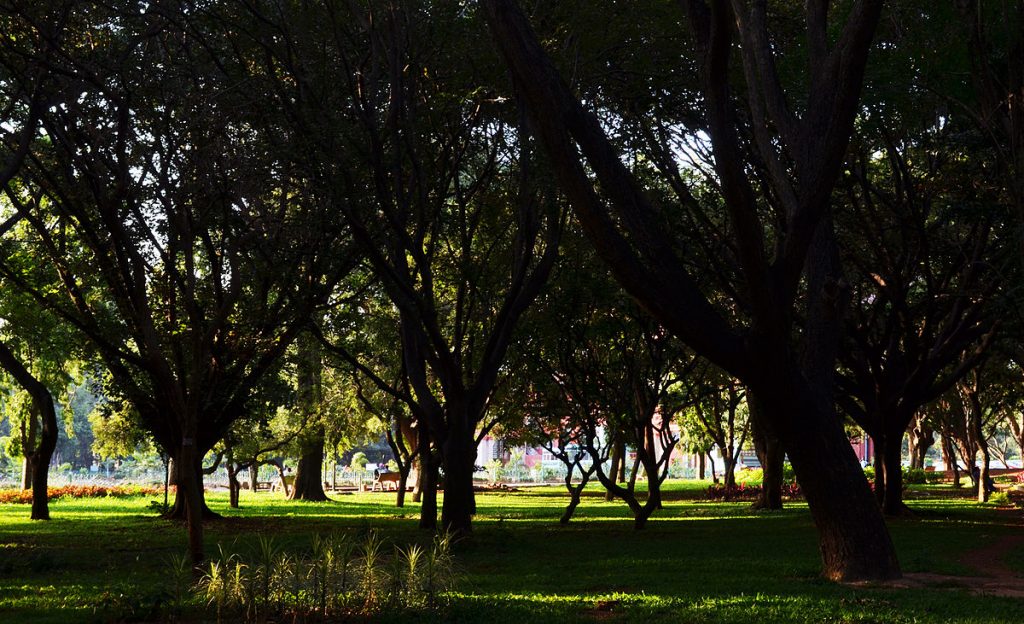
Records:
x=754, y=476
x=914, y=476
x=911, y=476
x=1000, y=499
x=339, y=577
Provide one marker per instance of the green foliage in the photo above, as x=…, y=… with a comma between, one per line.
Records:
x=1000, y=499
x=917, y=476
x=339, y=575
x=359, y=461
x=911, y=476
x=754, y=476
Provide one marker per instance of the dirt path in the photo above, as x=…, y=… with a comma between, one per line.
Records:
x=995, y=577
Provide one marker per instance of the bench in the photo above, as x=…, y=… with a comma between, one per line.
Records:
x=384, y=480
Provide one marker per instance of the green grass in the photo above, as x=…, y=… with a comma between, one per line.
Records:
x=106, y=560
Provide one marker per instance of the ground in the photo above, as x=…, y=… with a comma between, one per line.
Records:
x=107, y=560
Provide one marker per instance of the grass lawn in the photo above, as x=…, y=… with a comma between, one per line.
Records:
x=106, y=560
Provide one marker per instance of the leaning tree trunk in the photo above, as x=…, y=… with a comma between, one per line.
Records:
x=852, y=535
x=308, y=483
x=37, y=459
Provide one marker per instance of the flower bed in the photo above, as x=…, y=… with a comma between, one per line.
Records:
x=79, y=491
x=744, y=491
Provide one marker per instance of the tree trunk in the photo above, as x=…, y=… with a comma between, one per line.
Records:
x=37, y=459
x=729, y=472
x=254, y=474
x=28, y=445
x=634, y=471
x=459, y=505
x=770, y=454
x=853, y=538
x=191, y=490
x=617, y=460
x=982, y=445
x=40, y=458
x=403, y=483
x=621, y=477
x=892, y=502
x=701, y=469
x=949, y=458
x=427, y=484
x=878, y=461
x=922, y=437
x=308, y=483
x=167, y=477
x=234, y=487
x=417, y=492
x=179, y=510
x=575, y=491
x=984, y=474
x=570, y=509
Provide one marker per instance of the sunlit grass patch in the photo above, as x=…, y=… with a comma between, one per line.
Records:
x=103, y=560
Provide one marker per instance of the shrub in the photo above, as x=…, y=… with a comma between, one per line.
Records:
x=742, y=491
x=1000, y=499
x=15, y=495
x=339, y=577
x=914, y=476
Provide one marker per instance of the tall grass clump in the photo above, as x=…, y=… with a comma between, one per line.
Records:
x=339, y=575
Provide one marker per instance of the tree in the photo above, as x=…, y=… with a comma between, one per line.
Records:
x=604, y=375
x=42, y=403
x=459, y=224
x=716, y=406
x=187, y=249
x=924, y=262
x=800, y=129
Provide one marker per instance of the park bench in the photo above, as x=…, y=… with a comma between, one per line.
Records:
x=383, y=480
x=289, y=481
